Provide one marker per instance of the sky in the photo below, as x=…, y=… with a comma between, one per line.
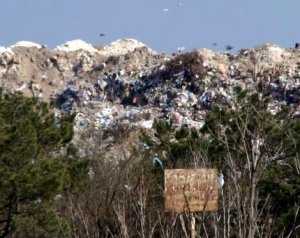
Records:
x=164, y=25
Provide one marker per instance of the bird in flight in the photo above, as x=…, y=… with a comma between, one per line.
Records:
x=101, y=34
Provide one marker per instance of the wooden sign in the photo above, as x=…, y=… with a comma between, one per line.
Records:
x=191, y=190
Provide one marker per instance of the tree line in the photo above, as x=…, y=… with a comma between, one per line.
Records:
x=47, y=190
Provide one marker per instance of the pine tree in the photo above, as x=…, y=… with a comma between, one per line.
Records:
x=33, y=165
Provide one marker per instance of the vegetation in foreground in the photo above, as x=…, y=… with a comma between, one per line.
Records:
x=47, y=191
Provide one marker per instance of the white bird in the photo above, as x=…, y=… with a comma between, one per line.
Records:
x=165, y=9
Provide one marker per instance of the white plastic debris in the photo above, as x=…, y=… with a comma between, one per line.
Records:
x=221, y=180
x=81, y=122
x=102, y=84
x=2, y=49
x=105, y=117
x=122, y=72
x=91, y=173
x=146, y=146
x=27, y=44
x=146, y=124
x=58, y=197
x=76, y=45
x=6, y=57
x=7, y=51
x=128, y=187
x=22, y=87
x=122, y=47
x=157, y=162
x=38, y=201
x=182, y=99
x=273, y=53
x=192, y=123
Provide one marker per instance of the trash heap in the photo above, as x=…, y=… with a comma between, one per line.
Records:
x=128, y=85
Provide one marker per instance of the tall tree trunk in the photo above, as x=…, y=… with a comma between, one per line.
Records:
x=7, y=227
x=252, y=208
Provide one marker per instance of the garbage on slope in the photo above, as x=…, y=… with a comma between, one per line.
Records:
x=128, y=85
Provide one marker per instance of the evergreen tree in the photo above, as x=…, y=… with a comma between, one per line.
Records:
x=34, y=167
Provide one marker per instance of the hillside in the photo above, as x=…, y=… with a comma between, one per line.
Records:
x=127, y=85
x=87, y=133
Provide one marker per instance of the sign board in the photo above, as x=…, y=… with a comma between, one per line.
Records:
x=191, y=190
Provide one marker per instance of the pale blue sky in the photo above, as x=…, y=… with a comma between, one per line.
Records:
x=193, y=24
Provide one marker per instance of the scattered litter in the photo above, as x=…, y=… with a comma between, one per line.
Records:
x=7, y=51
x=91, y=173
x=2, y=49
x=146, y=147
x=146, y=124
x=221, y=180
x=22, y=87
x=157, y=162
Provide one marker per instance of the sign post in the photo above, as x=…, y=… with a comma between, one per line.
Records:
x=191, y=190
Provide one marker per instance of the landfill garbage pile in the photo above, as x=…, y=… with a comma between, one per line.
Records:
x=125, y=85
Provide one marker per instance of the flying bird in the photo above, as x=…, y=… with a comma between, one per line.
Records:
x=101, y=34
